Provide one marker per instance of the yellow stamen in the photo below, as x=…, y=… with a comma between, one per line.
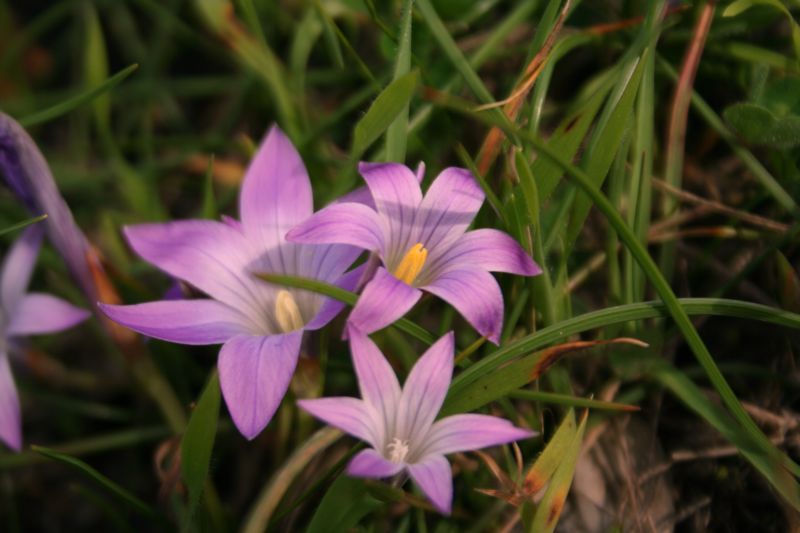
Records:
x=411, y=265
x=287, y=313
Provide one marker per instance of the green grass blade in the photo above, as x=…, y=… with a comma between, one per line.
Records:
x=383, y=111
x=65, y=107
x=24, y=223
x=397, y=134
x=570, y=401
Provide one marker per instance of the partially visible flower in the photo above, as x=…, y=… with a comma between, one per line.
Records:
x=399, y=424
x=260, y=325
x=27, y=174
x=423, y=244
x=24, y=314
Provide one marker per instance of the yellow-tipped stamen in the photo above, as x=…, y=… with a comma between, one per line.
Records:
x=411, y=265
x=287, y=313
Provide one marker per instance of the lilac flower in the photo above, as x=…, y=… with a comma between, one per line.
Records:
x=260, y=325
x=24, y=314
x=423, y=244
x=27, y=174
x=399, y=423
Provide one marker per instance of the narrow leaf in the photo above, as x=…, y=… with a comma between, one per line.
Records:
x=198, y=441
x=386, y=107
x=343, y=506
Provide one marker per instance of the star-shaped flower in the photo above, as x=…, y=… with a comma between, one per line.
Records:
x=399, y=424
x=23, y=314
x=423, y=244
x=260, y=325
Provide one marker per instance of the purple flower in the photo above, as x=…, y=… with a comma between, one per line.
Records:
x=24, y=314
x=399, y=423
x=27, y=174
x=423, y=244
x=260, y=325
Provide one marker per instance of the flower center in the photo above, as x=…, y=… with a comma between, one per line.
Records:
x=287, y=313
x=398, y=450
x=411, y=265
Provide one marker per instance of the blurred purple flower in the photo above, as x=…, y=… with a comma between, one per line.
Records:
x=399, y=423
x=24, y=314
x=423, y=244
x=28, y=175
x=260, y=325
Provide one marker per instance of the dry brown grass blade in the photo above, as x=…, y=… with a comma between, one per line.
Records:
x=512, y=104
x=551, y=355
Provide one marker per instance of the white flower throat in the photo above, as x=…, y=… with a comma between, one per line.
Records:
x=398, y=450
x=287, y=314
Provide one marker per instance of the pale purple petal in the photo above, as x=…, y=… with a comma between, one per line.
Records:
x=254, y=374
x=182, y=321
x=361, y=195
x=350, y=415
x=434, y=478
x=39, y=313
x=10, y=422
x=449, y=206
x=371, y=464
x=466, y=432
x=210, y=255
x=424, y=391
x=344, y=223
x=397, y=195
x=276, y=191
x=487, y=249
x=18, y=267
x=331, y=307
x=376, y=381
x=384, y=299
x=476, y=295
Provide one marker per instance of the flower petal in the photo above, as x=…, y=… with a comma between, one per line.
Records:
x=210, y=255
x=331, y=307
x=466, y=432
x=18, y=267
x=371, y=464
x=182, y=321
x=434, y=478
x=10, y=422
x=449, y=206
x=383, y=300
x=396, y=193
x=350, y=415
x=254, y=374
x=486, y=249
x=276, y=191
x=39, y=313
x=424, y=392
x=376, y=381
x=476, y=295
x=343, y=223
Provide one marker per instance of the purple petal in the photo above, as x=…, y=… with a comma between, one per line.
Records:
x=476, y=295
x=210, y=255
x=28, y=175
x=384, y=299
x=434, y=478
x=254, y=374
x=276, y=192
x=371, y=464
x=39, y=313
x=18, y=267
x=449, y=206
x=331, y=307
x=487, y=249
x=376, y=380
x=466, y=432
x=182, y=321
x=10, y=422
x=424, y=391
x=397, y=195
x=350, y=415
x=344, y=223
x=362, y=195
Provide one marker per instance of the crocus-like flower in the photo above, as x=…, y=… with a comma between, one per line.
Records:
x=24, y=314
x=423, y=244
x=260, y=325
x=399, y=423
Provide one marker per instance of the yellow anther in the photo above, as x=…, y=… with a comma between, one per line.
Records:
x=287, y=313
x=411, y=265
